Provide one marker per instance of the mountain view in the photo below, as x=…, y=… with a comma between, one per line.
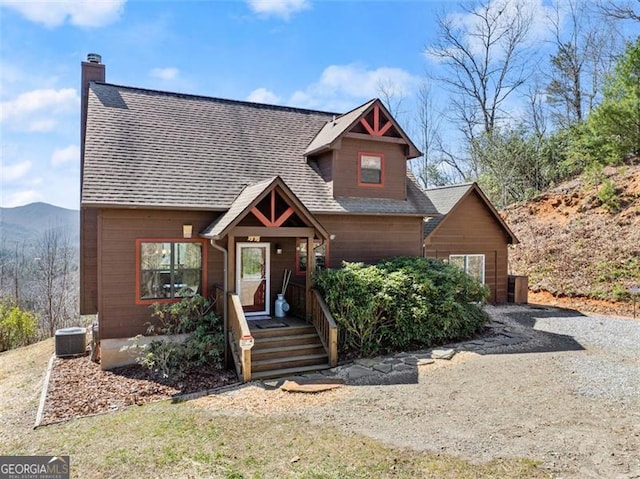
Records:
x=25, y=224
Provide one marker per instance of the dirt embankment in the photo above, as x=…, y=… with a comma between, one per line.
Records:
x=574, y=245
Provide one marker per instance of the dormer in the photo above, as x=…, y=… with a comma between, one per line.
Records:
x=364, y=153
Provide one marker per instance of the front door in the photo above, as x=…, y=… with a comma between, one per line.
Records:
x=252, y=273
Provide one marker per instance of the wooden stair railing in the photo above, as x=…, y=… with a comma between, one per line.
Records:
x=325, y=326
x=238, y=329
x=296, y=297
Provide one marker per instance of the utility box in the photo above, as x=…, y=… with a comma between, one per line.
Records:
x=71, y=342
x=518, y=289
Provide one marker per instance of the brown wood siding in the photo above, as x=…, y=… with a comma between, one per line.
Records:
x=324, y=163
x=471, y=229
x=372, y=238
x=120, y=317
x=345, y=170
x=88, y=260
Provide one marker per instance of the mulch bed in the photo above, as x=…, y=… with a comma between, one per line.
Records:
x=78, y=387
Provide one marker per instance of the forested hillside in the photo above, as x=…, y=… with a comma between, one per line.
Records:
x=581, y=239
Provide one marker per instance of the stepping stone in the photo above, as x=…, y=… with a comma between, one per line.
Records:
x=357, y=372
x=383, y=368
x=367, y=362
x=410, y=361
x=443, y=353
x=310, y=386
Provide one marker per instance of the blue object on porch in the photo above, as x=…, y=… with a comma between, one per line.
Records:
x=281, y=306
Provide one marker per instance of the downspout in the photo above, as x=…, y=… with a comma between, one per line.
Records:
x=225, y=327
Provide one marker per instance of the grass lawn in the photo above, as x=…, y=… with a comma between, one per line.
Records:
x=181, y=440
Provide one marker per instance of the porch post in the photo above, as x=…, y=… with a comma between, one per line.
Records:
x=231, y=266
x=311, y=266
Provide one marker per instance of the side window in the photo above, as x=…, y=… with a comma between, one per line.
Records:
x=472, y=264
x=168, y=269
x=320, y=251
x=370, y=169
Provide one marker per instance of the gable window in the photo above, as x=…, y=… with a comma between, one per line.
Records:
x=320, y=251
x=370, y=169
x=472, y=264
x=169, y=269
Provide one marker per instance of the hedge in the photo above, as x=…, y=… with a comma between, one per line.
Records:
x=401, y=304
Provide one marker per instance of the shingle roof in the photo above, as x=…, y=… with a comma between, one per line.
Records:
x=334, y=128
x=148, y=148
x=446, y=197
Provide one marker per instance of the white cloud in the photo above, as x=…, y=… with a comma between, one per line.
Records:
x=341, y=86
x=20, y=198
x=278, y=8
x=166, y=74
x=14, y=172
x=35, y=111
x=262, y=95
x=66, y=155
x=81, y=13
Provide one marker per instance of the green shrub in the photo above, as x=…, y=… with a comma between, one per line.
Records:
x=401, y=303
x=17, y=327
x=204, y=344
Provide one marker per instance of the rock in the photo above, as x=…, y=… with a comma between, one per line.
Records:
x=411, y=361
x=403, y=367
x=424, y=362
x=443, y=353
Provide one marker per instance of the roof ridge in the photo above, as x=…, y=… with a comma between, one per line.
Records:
x=443, y=187
x=216, y=99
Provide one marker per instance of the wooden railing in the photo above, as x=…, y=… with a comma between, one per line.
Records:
x=325, y=326
x=296, y=297
x=238, y=328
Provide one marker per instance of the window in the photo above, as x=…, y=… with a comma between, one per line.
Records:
x=169, y=269
x=472, y=264
x=370, y=169
x=321, y=254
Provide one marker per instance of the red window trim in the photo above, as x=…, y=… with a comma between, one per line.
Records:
x=304, y=240
x=370, y=185
x=203, y=280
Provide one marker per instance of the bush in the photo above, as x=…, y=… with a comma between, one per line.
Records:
x=204, y=344
x=401, y=303
x=17, y=327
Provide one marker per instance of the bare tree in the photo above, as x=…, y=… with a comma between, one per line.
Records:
x=585, y=51
x=625, y=10
x=392, y=97
x=486, y=61
x=428, y=167
x=55, y=280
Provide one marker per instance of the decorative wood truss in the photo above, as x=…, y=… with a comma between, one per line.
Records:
x=272, y=218
x=376, y=129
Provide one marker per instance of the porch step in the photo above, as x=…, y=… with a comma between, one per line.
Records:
x=276, y=373
x=288, y=362
x=283, y=341
x=278, y=332
x=259, y=352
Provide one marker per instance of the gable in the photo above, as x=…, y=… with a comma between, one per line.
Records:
x=369, y=121
x=465, y=212
x=268, y=203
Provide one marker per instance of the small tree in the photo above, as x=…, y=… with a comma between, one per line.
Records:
x=17, y=327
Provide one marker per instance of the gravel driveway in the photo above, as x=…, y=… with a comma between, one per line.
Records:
x=569, y=397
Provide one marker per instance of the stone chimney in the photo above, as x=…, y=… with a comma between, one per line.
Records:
x=92, y=70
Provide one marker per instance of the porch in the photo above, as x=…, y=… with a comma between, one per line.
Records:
x=266, y=232
x=272, y=347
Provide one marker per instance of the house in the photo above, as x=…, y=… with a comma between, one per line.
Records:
x=185, y=194
x=469, y=232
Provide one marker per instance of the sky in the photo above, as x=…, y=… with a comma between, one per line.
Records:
x=326, y=55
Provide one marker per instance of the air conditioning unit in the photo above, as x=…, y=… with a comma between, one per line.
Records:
x=71, y=341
